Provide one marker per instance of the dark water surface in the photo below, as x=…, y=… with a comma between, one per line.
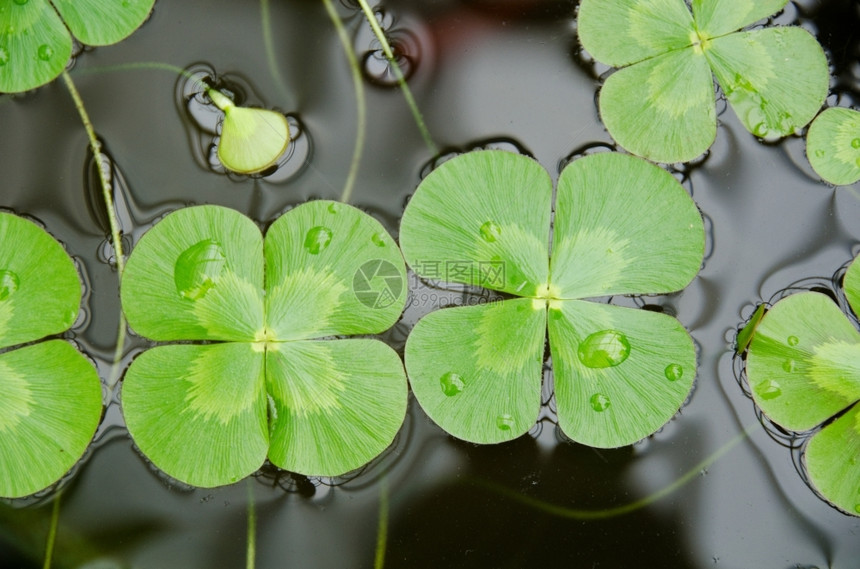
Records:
x=499, y=72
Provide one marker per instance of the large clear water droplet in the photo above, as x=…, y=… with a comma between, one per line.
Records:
x=45, y=52
x=793, y=340
x=8, y=284
x=599, y=402
x=490, y=231
x=452, y=384
x=317, y=239
x=378, y=240
x=769, y=389
x=198, y=268
x=505, y=422
x=604, y=349
x=673, y=372
x=855, y=143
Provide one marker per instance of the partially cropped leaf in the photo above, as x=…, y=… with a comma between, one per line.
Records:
x=833, y=461
x=661, y=105
x=51, y=396
x=833, y=145
x=622, y=226
x=851, y=284
x=209, y=414
x=36, y=45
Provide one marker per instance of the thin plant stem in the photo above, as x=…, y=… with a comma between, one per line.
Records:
x=382, y=528
x=266, y=22
x=52, y=531
x=361, y=105
x=137, y=65
x=398, y=73
x=582, y=514
x=116, y=238
x=250, y=558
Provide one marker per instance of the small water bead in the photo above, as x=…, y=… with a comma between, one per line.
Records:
x=4, y=56
x=505, y=422
x=490, y=231
x=792, y=340
x=45, y=52
x=769, y=389
x=855, y=143
x=788, y=366
x=606, y=348
x=761, y=130
x=599, y=402
x=452, y=384
x=8, y=284
x=198, y=268
x=21, y=2
x=674, y=372
x=378, y=240
x=317, y=239
x=820, y=153
x=333, y=208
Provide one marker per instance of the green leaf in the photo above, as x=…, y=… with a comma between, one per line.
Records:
x=833, y=146
x=851, y=284
x=103, y=22
x=718, y=17
x=252, y=139
x=34, y=46
x=662, y=108
x=832, y=461
x=49, y=411
x=623, y=225
x=476, y=370
x=334, y=405
x=620, y=374
x=775, y=79
x=196, y=275
x=621, y=32
x=803, y=365
x=331, y=269
x=199, y=412
x=481, y=219
x=40, y=292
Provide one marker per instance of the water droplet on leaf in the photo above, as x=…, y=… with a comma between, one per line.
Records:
x=674, y=372
x=820, y=153
x=21, y=2
x=378, y=240
x=8, y=284
x=788, y=366
x=761, y=129
x=451, y=384
x=333, y=207
x=855, y=143
x=490, y=231
x=769, y=389
x=793, y=340
x=599, y=402
x=4, y=56
x=505, y=422
x=603, y=349
x=45, y=52
x=198, y=268
x=317, y=239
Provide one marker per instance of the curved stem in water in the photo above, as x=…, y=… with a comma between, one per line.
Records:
x=52, y=531
x=266, y=21
x=382, y=528
x=361, y=106
x=116, y=238
x=251, y=555
x=398, y=73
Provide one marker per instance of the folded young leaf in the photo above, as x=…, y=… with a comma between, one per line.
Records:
x=334, y=405
x=623, y=226
x=803, y=364
x=476, y=370
x=331, y=270
x=198, y=412
x=620, y=373
x=833, y=460
x=49, y=411
x=833, y=146
x=481, y=219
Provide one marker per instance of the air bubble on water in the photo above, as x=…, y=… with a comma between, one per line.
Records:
x=317, y=239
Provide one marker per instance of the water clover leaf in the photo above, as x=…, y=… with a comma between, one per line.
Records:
x=252, y=139
x=254, y=375
x=51, y=395
x=803, y=368
x=660, y=103
x=36, y=45
x=833, y=145
x=621, y=226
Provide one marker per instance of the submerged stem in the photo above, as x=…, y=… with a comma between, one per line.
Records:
x=52, y=531
x=382, y=528
x=266, y=22
x=398, y=73
x=250, y=558
x=581, y=514
x=116, y=238
x=361, y=106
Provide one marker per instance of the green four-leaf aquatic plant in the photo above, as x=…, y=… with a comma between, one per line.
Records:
x=35, y=43
x=50, y=394
x=833, y=146
x=620, y=226
x=251, y=373
x=661, y=106
x=803, y=369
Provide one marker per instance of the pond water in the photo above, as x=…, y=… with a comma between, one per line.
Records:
x=484, y=73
